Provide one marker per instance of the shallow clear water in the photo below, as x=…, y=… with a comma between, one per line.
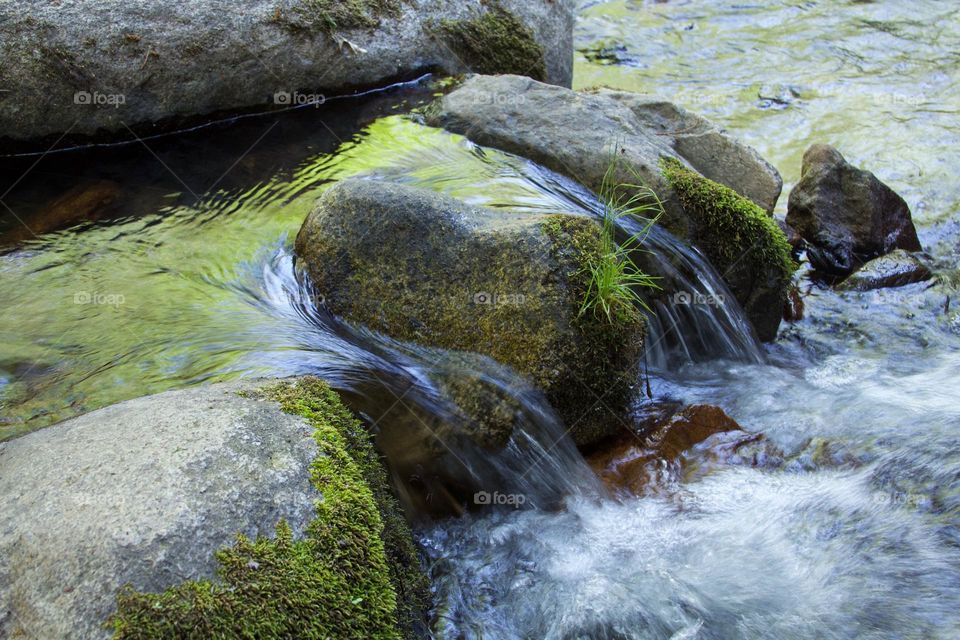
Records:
x=841, y=523
x=878, y=80
x=197, y=291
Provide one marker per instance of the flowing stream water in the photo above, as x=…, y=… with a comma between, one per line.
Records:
x=841, y=522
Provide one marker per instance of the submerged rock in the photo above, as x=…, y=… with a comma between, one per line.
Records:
x=425, y=268
x=680, y=155
x=89, y=67
x=845, y=214
x=634, y=461
x=896, y=269
x=86, y=202
x=136, y=498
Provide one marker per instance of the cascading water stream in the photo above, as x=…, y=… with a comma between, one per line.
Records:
x=397, y=388
x=254, y=319
x=698, y=318
x=840, y=523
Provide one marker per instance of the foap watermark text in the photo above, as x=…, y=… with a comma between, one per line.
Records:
x=697, y=299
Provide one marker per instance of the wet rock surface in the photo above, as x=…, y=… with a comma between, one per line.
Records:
x=576, y=132
x=846, y=215
x=895, y=269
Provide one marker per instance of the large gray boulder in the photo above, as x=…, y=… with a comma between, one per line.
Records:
x=575, y=132
x=142, y=493
x=424, y=268
x=846, y=215
x=678, y=154
x=86, y=66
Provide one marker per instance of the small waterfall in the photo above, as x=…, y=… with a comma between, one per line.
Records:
x=697, y=319
x=398, y=389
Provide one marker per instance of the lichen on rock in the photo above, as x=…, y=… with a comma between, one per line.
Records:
x=334, y=15
x=354, y=574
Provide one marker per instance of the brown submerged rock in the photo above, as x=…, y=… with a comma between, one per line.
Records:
x=630, y=463
x=88, y=201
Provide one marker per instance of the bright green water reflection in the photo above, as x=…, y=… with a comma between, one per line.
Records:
x=99, y=314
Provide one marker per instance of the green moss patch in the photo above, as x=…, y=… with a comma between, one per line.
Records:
x=353, y=575
x=495, y=42
x=732, y=230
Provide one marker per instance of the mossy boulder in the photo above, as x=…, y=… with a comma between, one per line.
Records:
x=234, y=510
x=425, y=268
x=577, y=133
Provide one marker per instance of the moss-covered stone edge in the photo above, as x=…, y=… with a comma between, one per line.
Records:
x=731, y=229
x=354, y=574
x=496, y=41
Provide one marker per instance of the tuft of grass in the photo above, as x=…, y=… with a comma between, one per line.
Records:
x=615, y=281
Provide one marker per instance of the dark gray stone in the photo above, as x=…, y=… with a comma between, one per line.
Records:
x=896, y=269
x=129, y=63
x=845, y=214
